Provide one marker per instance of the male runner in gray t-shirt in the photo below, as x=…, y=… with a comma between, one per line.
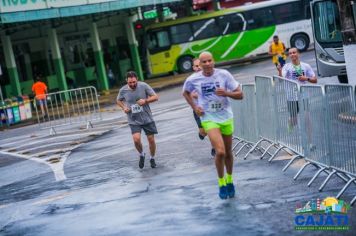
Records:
x=133, y=99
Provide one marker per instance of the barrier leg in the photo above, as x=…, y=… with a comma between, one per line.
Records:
x=260, y=149
x=327, y=180
x=316, y=175
x=266, y=151
x=240, y=141
x=353, y=201
x=237, y=153
x=89, y=124
x=275, y=154
x=253, y=148
x=345, y=187
x=343, y=177
x=52, y=131
x=301, y=169
x=291, y=161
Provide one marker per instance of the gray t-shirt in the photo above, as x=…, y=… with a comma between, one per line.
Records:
x=139, y=115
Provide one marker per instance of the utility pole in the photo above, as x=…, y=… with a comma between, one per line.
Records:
x=347, y=11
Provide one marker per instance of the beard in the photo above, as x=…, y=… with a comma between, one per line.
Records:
x=133, y=86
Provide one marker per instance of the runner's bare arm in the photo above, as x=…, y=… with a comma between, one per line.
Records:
x=236, y=94
x=312, y=79
x=188, y=97
x=270, y=51
x=122, y=105
x=150, y=99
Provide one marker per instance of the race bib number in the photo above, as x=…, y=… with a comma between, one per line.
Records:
x=136, y=108
x=215, y=106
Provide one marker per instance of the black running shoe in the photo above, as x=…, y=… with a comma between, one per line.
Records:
x=153, y=163
x=201, y=136
x=141, y=163
x=213, y=152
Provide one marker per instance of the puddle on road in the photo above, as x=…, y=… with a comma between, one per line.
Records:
x=263, y=205
x=243, y=207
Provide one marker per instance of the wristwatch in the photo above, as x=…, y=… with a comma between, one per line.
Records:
x=308, y=79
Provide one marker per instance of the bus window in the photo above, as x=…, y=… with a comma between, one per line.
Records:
x=205, y=29
x=152, y=41
x=163, y=39
x=232, y=23
x=327, y=23
x=260, y=18
x=181, y=33
x=288, y=12
x=158, y=41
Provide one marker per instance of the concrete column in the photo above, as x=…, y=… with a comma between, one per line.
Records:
x=57, y=59
x=11, y=65
x=29, y=73
x=135, y=56
x=99, y=58
x=216, y=5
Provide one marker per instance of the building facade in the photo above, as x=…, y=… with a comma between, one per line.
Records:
x=71, y=43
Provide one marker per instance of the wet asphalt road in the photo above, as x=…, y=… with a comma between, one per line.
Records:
x=105, y=193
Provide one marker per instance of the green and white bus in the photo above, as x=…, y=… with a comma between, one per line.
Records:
x=237, y=33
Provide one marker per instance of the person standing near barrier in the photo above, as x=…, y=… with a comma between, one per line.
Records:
x=214, y=87
x=299, y=72
x=277, y=51
x=202, y=133
x=134, y=99
x=39, y=89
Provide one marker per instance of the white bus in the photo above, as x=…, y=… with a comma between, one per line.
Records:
x=237, y=33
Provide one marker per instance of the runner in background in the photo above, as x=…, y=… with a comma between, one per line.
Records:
x=277, y=51
x=134, y=99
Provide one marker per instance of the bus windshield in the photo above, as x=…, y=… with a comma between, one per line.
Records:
x=327, y=23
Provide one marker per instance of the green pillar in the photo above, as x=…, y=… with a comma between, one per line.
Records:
x=135, y=57
x=57, y=59
x=99, y=58
x=11, y=65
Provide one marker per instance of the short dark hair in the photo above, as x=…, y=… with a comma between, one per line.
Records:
x=131, y=74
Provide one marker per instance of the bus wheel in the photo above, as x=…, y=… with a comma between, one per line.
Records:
x=343, y=79
x=300, y=41
x=185, y=64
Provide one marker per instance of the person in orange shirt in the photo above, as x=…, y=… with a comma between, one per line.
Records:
x=40, y=90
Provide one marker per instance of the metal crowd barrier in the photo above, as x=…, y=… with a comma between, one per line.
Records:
x=265, y=114
x=317, y=123
x=69, y=107
x=245, y=129
x=341, y=118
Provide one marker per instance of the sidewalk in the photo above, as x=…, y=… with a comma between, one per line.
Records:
x=109, y=99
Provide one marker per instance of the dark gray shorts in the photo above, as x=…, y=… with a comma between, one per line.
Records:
x=149, y=128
